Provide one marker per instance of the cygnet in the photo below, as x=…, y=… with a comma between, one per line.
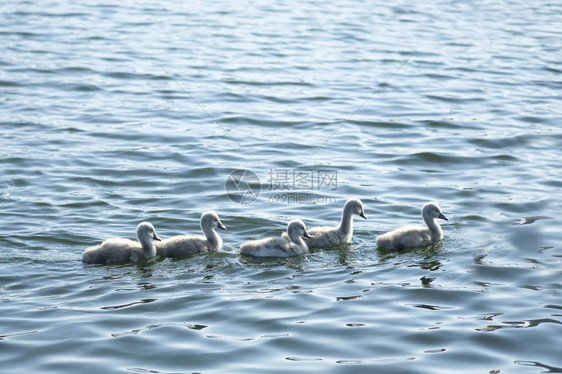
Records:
x=415, y=236
x=183, y=245
x=325, y=237
x=287, y=245
x=118, y=250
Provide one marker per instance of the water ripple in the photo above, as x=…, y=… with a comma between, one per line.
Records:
x=143, y=301
x=6, y=336
x=519, y=324
x=196, y=327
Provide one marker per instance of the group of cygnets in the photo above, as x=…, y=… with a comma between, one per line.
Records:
x=295, y=241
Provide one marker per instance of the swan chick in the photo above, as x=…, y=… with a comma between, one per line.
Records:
x=289, y=244
x=415, y=236
x=326, y=237
x=119, y=250
x=183, y=245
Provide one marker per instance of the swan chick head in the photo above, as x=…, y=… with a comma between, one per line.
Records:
x=432, y=210
x=297, y=228
x=145, y=230
x=211, y=220
x=356, y=207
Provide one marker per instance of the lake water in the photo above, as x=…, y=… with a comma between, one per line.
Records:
x=116, y=114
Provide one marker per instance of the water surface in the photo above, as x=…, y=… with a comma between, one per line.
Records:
x=112, y=114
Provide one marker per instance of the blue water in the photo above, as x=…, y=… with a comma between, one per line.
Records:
x=113, y=114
